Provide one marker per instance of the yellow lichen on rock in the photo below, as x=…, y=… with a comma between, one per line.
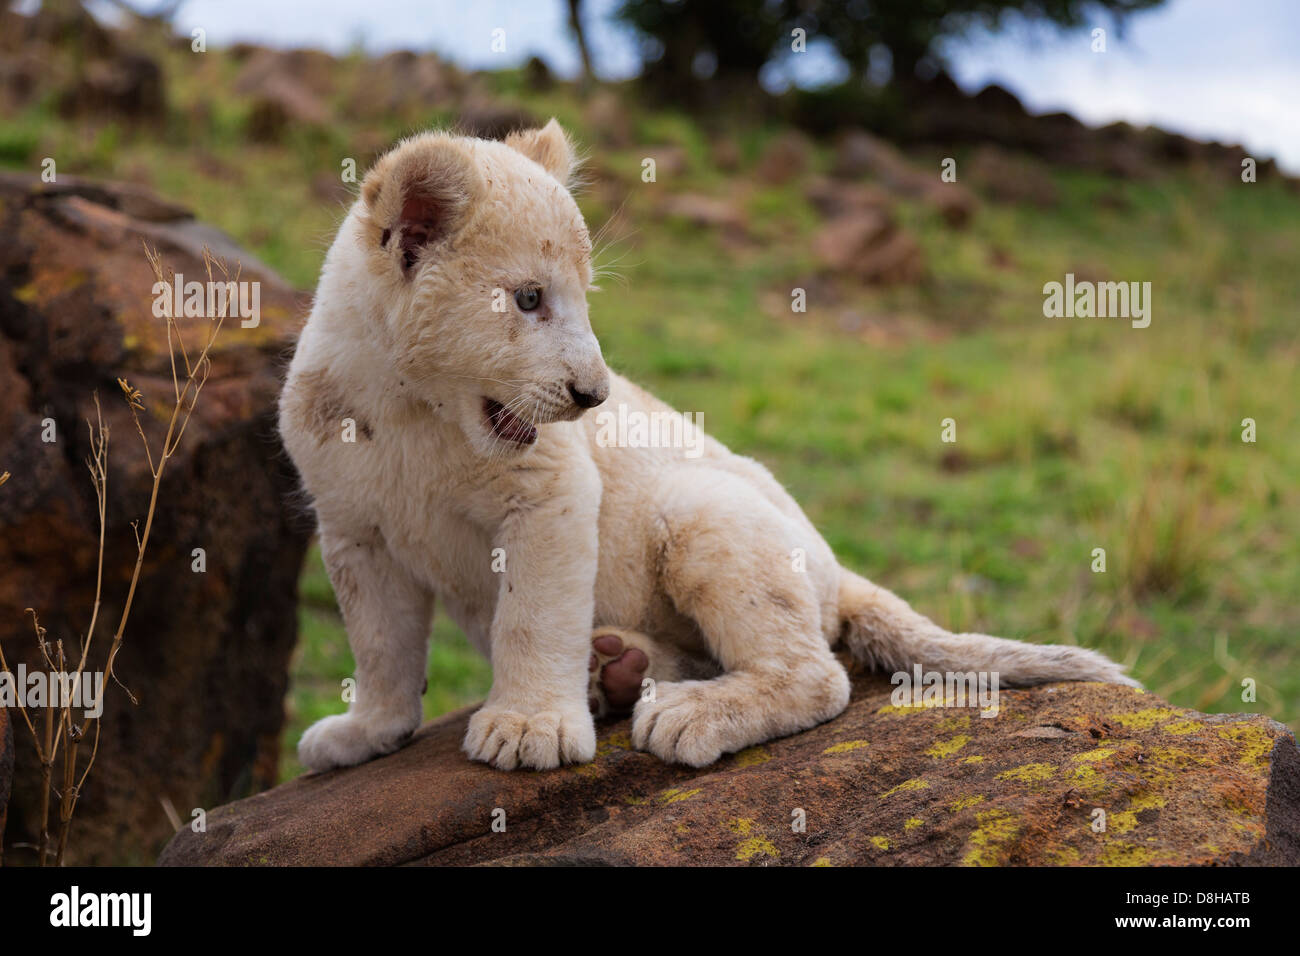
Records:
x=1117, y=853
x=846, y=746
x=1147, y=801
x=1062, y=855
x=754, y=846
x=752, y=756
x=1029, y=773
x=916, y=783
x=1144, y=719
x=1121, y=821
x=757, y=846
x=1101, y=753
x=1256, y=745
x=619, y=740
x=946, y=748
x=1087, y=778
x=901, y=709
x=995, y=829
x=675, y=795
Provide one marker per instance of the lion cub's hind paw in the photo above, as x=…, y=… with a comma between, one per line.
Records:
x=618, y=665
x=680, y=726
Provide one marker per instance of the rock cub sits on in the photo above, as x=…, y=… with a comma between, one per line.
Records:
x=450, y=341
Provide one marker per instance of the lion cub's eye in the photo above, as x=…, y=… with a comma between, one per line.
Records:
x=528, y=298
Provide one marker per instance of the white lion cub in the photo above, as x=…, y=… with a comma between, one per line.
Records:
x=449, y=339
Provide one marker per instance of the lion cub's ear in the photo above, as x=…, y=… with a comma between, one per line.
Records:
x=549, y=147
x=420, y=194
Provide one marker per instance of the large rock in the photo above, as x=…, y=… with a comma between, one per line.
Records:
x=312, y=69
x=941, y=113
x=62, y=52
x=280, y=104
x=706, y=212
x=867, y=243
x=407, y=84
x=128, y=84
x=859, y=153
x=22, y=74
x=1007, y=176
x=861, y=237
x=788, y=156
x=205, y=653
x=880, y=784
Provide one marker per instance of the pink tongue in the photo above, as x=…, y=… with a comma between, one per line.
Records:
x=508, y=426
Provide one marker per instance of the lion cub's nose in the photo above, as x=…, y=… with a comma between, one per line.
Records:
x=588, y=399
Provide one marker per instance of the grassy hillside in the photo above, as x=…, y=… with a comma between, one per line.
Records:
x=1073, y=434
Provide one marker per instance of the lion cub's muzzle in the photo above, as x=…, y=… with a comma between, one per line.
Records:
x=589, y=396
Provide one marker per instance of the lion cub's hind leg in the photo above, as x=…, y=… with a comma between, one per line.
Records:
x=726, y=565
x=622, y=661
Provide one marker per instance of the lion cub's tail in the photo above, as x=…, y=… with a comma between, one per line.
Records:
x=882, y=631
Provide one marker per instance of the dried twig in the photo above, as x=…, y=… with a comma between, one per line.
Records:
x=65, y=730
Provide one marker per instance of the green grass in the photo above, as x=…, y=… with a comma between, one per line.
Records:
x=1073, y=434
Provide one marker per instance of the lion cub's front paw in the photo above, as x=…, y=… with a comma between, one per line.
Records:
x=508, y=739
x=344, y=740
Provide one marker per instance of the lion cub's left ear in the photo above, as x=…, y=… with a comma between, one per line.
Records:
x=549, y=147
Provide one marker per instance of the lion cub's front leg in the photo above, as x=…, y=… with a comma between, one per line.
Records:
x=387, y=614
x=536, y=714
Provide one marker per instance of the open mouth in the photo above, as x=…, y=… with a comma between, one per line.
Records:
x=506, y=425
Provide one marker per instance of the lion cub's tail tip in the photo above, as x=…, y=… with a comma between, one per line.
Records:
x=884, y=633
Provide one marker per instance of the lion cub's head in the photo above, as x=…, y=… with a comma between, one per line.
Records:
x=483, y=262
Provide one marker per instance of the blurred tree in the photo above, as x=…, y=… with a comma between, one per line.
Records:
x=690, y=44
x=580, y=37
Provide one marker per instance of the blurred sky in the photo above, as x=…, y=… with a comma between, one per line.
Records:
x=1214, y=69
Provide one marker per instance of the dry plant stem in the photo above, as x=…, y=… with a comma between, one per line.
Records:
x=98, y=465
x=196, y=377
x=97, y=462
x=187, y=396
x=47, y=768
x=69, y=771
x=47, y=741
